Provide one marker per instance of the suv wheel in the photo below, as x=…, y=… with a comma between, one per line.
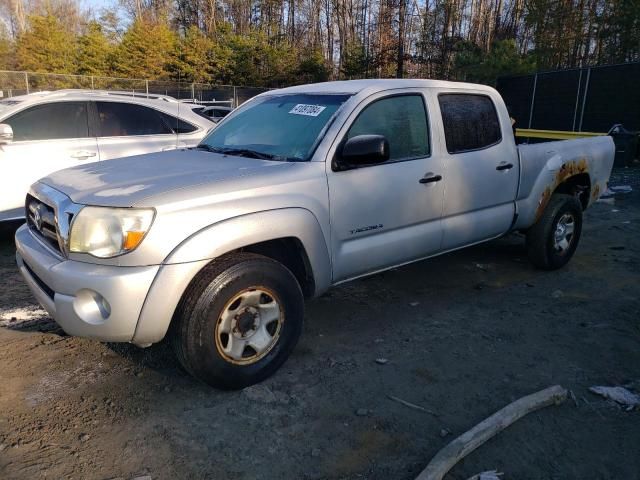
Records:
x=238, y=321
x=552, y=241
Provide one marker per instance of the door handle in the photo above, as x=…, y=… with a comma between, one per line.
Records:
x=83, y=154
x=504, y=166
x=430, y=178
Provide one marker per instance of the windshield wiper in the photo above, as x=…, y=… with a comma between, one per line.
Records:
x=209, y=148
x=246, y=152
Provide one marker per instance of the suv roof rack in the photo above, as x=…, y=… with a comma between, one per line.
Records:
x=122, y=93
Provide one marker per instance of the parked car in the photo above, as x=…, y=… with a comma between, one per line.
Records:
x=297, y=190
x=44, y=132
x=213, y=113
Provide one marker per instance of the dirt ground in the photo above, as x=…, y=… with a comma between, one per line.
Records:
x=464, y=334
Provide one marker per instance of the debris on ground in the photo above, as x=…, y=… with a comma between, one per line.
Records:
x=362, y=412
x=382, y=361
x=466, y=443
x=557, y=294
x=621, y=189
x=21, y=315
x=609, y=192
x=488, y=475
x=411, y=405
x=620, y=395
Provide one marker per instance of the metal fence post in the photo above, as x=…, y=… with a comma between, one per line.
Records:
x=584, y=98
x=26, y=81
x=533, y=99
x=193, y=91
x=146, y=84
x=92, y=87
x=235, y=98
x=575, y=111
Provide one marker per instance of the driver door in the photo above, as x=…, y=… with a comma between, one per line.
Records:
x=389, y=213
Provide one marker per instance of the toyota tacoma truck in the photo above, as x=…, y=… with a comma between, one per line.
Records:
x=216, y=247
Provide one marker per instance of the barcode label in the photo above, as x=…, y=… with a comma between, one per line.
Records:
x=308, y=110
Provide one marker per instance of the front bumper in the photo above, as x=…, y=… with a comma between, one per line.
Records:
x=87, y=300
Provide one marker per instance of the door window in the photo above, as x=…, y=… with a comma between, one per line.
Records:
x=50, y=121
x=127, y=119
x=402, y=120
x=217, y=113
x=177, y=124
x=470, y=122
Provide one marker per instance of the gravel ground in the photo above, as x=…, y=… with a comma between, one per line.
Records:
x=464, y=334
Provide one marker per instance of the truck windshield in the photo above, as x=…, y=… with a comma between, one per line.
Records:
x=279, y=127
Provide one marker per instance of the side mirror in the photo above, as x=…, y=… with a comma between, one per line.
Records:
x=363, y=150
x=6, y=133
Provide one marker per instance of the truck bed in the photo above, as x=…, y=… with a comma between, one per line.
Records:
x=544, y=166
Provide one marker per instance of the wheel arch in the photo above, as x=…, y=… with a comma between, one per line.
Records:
x=290, y=236
x=578, y=183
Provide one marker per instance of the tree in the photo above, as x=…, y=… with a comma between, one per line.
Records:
x=94, y=51
x=45, y=46
x=146, y=51
x=312, y=68
x=477, y=66
x=256, y=62
x=355, y=62
x=7, y=51
x=198, y=58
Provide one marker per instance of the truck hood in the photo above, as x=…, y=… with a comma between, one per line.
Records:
x=127, y=181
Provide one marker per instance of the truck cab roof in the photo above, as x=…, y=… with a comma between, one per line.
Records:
x=371, y=86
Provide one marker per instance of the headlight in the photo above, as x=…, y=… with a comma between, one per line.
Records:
x=107, y=232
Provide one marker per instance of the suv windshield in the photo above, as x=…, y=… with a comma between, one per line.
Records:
x=279, y=127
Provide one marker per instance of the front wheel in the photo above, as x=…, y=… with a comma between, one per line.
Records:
x=238, y=321
x=553, y=239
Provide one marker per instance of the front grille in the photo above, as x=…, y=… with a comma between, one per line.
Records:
x=41, y=219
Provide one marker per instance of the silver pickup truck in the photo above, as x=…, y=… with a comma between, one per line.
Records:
x=300, y=189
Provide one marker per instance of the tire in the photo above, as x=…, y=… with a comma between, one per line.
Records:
x=550, y=246
x=238, y=321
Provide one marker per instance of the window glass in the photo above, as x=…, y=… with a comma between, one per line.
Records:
x=470, y=122
x=125, y=119
x=402, y=120
x=282, y=127
x=50, y=121
x=177, y=124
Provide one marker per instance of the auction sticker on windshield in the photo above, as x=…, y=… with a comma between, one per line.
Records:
x=308, y=110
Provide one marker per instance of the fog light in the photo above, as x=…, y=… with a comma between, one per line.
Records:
x=91, y=307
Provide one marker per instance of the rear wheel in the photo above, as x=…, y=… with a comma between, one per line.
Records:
x=238, y=321
x=552, y=241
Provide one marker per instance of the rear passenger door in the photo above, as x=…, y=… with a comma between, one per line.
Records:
x=481, y=168
x=126, y=129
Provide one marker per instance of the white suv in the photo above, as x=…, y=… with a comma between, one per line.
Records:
x=44, y=132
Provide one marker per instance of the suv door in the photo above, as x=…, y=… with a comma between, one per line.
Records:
x=383, y=215
x=46, y=138
x=126, y=129
x=481, y=169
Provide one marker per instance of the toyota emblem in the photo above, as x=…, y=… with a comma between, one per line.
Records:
x=37, y=218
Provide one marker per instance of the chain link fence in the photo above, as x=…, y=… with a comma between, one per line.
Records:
x=21, y=83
